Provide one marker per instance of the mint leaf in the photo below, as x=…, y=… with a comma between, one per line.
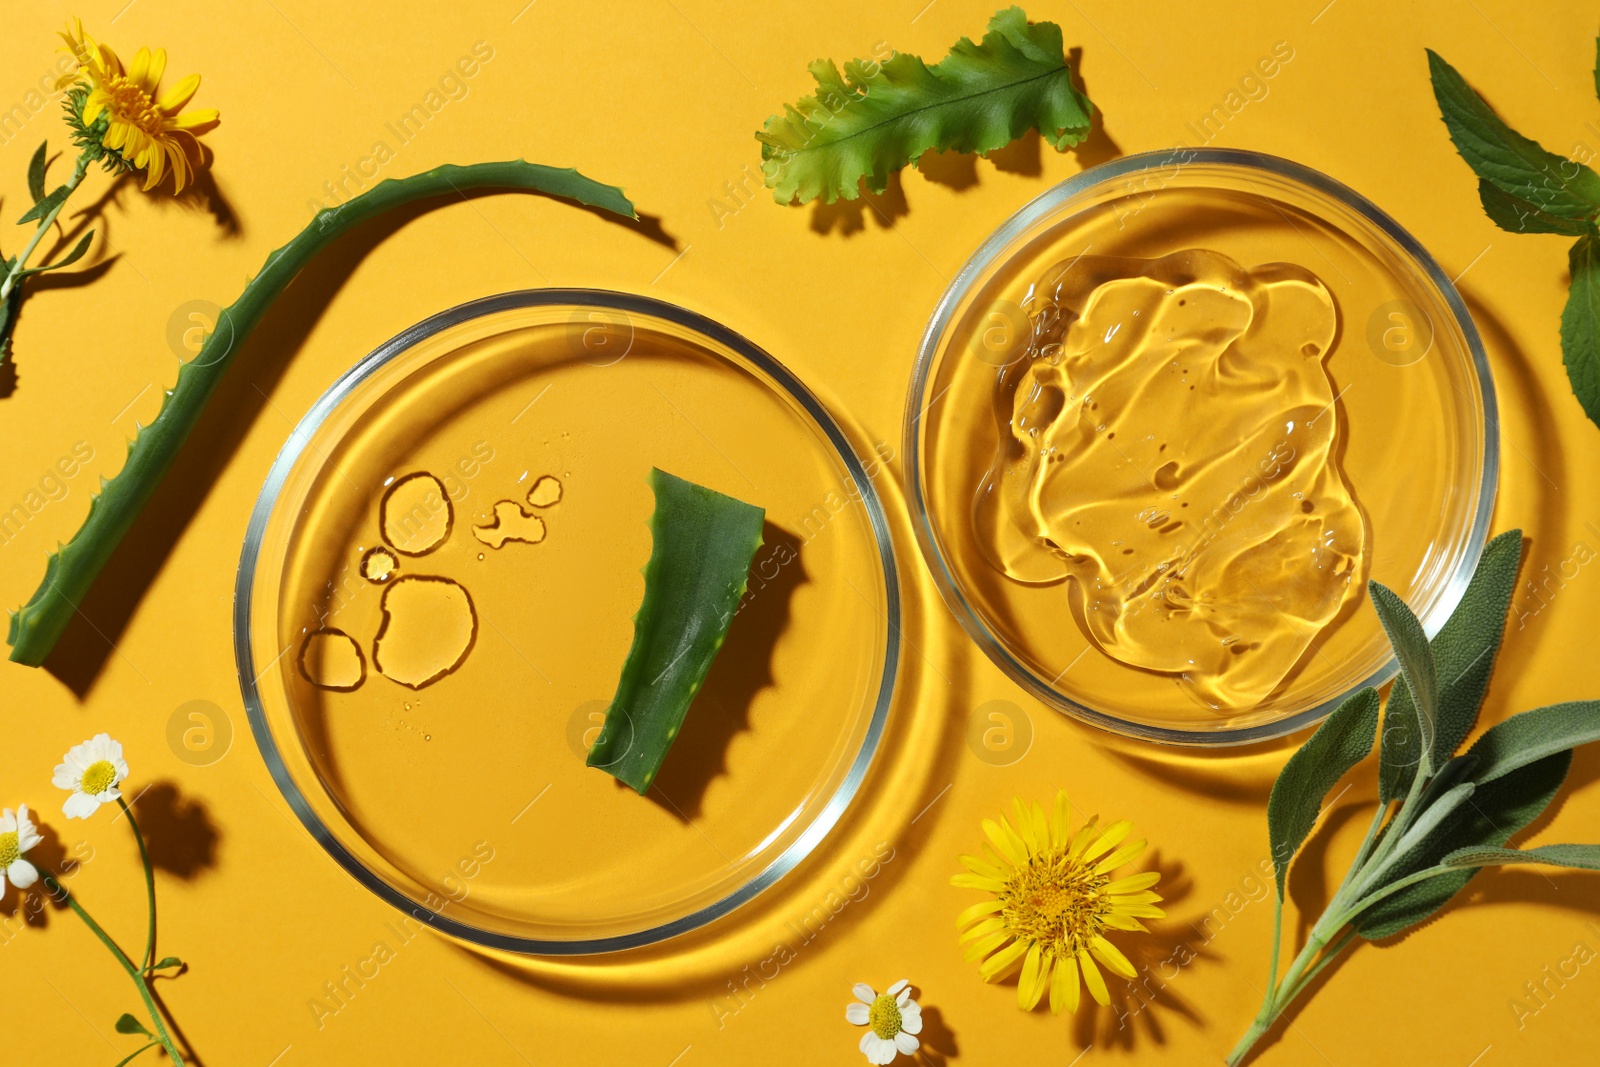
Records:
x=1343, y=740
x=1580, y=326
x=876, y=118
x=1516, y=215
x=1502, y=156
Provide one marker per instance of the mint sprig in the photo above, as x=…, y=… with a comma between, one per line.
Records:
x=1525, y=188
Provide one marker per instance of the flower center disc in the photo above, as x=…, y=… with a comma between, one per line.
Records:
x=9, y=852
x=131, y=103
x=1055, y=903
x=99, y=777
x=884, y=1017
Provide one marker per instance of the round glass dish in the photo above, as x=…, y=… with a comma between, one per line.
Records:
x=1416, y=438
x=465, y=800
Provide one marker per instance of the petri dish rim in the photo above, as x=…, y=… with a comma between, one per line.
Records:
x=599, y=300
x=989, y=254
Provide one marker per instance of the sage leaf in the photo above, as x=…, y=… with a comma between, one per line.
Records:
x=1516, y=215
x=1579, y=857
x=1496, y=811
x=876, y=118
x=1502, y=156
x=46, y=205
x=1464, y=651
x=8, y=314
x=1343, y=740
x=1580, y=325
x=1416, y=666
x=1534, y=735
x=1597, y=67
x=127, y=1024
x=36, y=172
x=65, y=261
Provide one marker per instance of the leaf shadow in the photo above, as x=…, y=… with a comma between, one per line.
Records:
x=938, y=1045
x=100, y=620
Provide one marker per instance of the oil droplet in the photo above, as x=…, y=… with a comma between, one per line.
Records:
x=428, y=628
x=427, y=737
x=379, y=564
x=545, y=492
x=331, y=659
x=510, y=523
x=415, y=514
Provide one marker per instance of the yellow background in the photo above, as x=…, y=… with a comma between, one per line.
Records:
x=662, y=96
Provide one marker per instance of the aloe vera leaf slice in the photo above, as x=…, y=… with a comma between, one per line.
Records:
x=700, y=560
x=72, y=568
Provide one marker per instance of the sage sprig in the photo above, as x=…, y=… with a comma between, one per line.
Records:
x=1525, y=188
x=1440, y=816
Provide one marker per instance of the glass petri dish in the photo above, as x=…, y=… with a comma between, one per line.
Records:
x=434, y=741
x=1411, y=391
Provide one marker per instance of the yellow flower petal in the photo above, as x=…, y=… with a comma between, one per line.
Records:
x=1029, y=987
x=1111, y=956
x=978, y=911
x=1126, y=854
x=977, y=881
x=979, y=949
x=983, y=929
x=1061, y=824
x=1133, y=882
x=158, y=67
x=140, y=68
x=978, y=867
x=173, y=99
x=1122, y=922
x=1005, y=839
x=1113, y=835
x=1093, y=979
x=1001, y=962
x=1064, y=989
x=1134, y=898
x=1142, y=911
x=192, y=120
x=1085, y=835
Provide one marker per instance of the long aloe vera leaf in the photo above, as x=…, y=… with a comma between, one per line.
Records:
x=72, y=568
x=703, y=544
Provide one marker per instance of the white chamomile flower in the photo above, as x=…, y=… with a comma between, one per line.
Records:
x=17, y=836
x=891, y=1020
x=92, y=771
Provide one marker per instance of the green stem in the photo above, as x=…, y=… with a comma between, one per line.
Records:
x=130, y=1057
x=72, y=569
x=14, y=275
x=138, y=977
x=149, y=886
x=1277, y=941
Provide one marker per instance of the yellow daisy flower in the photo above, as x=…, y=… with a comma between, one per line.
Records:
x=149, y=132
x=1053, y=895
